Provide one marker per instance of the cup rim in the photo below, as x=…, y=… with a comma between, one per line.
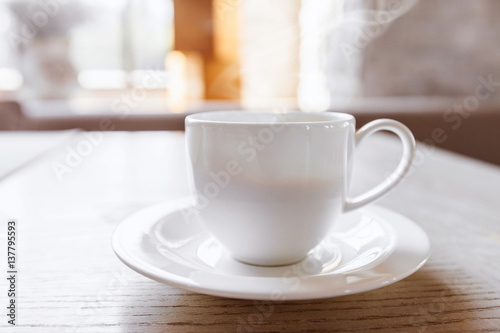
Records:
x=215, y=118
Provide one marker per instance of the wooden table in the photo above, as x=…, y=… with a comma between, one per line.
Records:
x=69, y=279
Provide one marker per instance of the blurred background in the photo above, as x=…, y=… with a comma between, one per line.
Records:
x=145, y=64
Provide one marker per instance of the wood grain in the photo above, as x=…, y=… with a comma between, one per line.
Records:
x=71, y=281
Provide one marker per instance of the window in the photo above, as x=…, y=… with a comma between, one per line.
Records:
x=60, y=48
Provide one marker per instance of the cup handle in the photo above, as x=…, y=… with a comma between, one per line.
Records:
x=397, y=175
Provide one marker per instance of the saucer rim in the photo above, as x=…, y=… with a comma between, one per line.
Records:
x=185, y=283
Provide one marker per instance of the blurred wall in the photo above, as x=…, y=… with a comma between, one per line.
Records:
x=438, y=47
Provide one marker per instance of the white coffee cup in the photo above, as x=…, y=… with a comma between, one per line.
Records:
x=270, y=186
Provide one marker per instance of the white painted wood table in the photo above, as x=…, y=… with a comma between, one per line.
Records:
x=69, y=279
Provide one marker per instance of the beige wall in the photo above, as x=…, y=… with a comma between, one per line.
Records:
x=432, y=47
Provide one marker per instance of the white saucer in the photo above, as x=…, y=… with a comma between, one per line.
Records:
x=368, y=249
